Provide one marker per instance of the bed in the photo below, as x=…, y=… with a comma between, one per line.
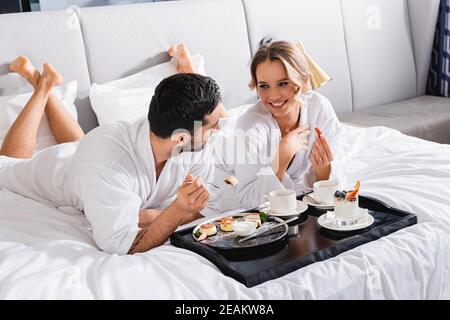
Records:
x=49, y=253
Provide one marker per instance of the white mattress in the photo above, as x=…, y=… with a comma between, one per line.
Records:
x=46, y=253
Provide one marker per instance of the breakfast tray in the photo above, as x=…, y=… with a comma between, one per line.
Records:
x=311, y=244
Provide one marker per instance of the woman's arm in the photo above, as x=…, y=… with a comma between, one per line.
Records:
x=321, y=157
x=291, y=144
x=192, y=197
x=320, y=115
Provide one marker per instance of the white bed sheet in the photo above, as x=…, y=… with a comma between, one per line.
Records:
x=49, y=253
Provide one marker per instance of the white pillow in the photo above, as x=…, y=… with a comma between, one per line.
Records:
x=10, y=107
x=129, y=98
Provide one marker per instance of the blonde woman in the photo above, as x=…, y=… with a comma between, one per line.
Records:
x=275, y=144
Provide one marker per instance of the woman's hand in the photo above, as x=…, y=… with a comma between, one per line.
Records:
x=321, y=157
x=294, y=142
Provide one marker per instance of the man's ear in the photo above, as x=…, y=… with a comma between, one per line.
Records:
x=180, y=137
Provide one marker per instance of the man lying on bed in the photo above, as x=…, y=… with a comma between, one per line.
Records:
x=117, y=169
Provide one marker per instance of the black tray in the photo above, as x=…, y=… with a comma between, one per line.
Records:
x=311, y=244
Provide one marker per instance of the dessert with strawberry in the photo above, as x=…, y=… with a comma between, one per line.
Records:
x=346, y=205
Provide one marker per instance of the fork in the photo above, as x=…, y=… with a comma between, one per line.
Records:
x=215, y=186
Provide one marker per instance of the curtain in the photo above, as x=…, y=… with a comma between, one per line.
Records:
x=439, y=76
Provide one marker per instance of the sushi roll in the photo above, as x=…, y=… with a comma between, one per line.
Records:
x=208, y=228
x=255, y=217
x=227, y=224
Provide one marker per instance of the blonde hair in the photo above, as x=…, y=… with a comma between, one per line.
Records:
x=295, y=63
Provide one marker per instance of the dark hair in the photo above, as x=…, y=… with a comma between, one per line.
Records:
x=180, y=100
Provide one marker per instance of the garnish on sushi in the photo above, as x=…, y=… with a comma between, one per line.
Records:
x=263, y=216
x=199, y=236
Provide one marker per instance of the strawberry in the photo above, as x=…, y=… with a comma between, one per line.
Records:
x=352, y=194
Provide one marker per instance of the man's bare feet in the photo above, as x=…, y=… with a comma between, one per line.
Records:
x=50, y=78
x=183, y=58
x=23, y=66
x=173, y=50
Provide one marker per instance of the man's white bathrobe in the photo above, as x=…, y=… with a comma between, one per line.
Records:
x=250, y=159
x=110, y=175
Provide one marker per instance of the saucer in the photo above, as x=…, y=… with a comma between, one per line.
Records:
x=320, y=206
x=301, y=207
x=328, y=221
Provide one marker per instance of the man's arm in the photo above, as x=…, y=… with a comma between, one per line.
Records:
x=192, y=197
x=158, y=232
x=147, y=216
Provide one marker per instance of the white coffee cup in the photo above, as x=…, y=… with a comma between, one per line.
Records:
x=282, y=201
x=324, y=190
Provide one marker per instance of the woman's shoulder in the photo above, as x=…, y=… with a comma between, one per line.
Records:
x=318, y=105
x=315, y=99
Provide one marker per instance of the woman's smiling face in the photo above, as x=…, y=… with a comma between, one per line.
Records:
x=274, y=88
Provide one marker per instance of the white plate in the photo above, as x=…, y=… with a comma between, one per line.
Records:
x=364, y=221
x=320, y=206
x=301, y=207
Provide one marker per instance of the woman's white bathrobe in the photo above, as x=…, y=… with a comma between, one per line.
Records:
x=250, y=158
x=109, y=174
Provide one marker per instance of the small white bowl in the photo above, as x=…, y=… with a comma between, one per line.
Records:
x=244, y=228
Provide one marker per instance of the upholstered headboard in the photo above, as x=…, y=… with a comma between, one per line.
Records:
x=377, y=51
x=121, y=40
x=54, y=37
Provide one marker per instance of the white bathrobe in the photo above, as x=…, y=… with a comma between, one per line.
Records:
x=110, y=175
x=250, y=160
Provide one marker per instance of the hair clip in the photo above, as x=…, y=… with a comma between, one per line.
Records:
x=264, y=41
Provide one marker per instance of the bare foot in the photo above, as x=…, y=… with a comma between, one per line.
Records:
x=50, y=77
x=183, y=58
x=23, y=66
x=173, y=50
